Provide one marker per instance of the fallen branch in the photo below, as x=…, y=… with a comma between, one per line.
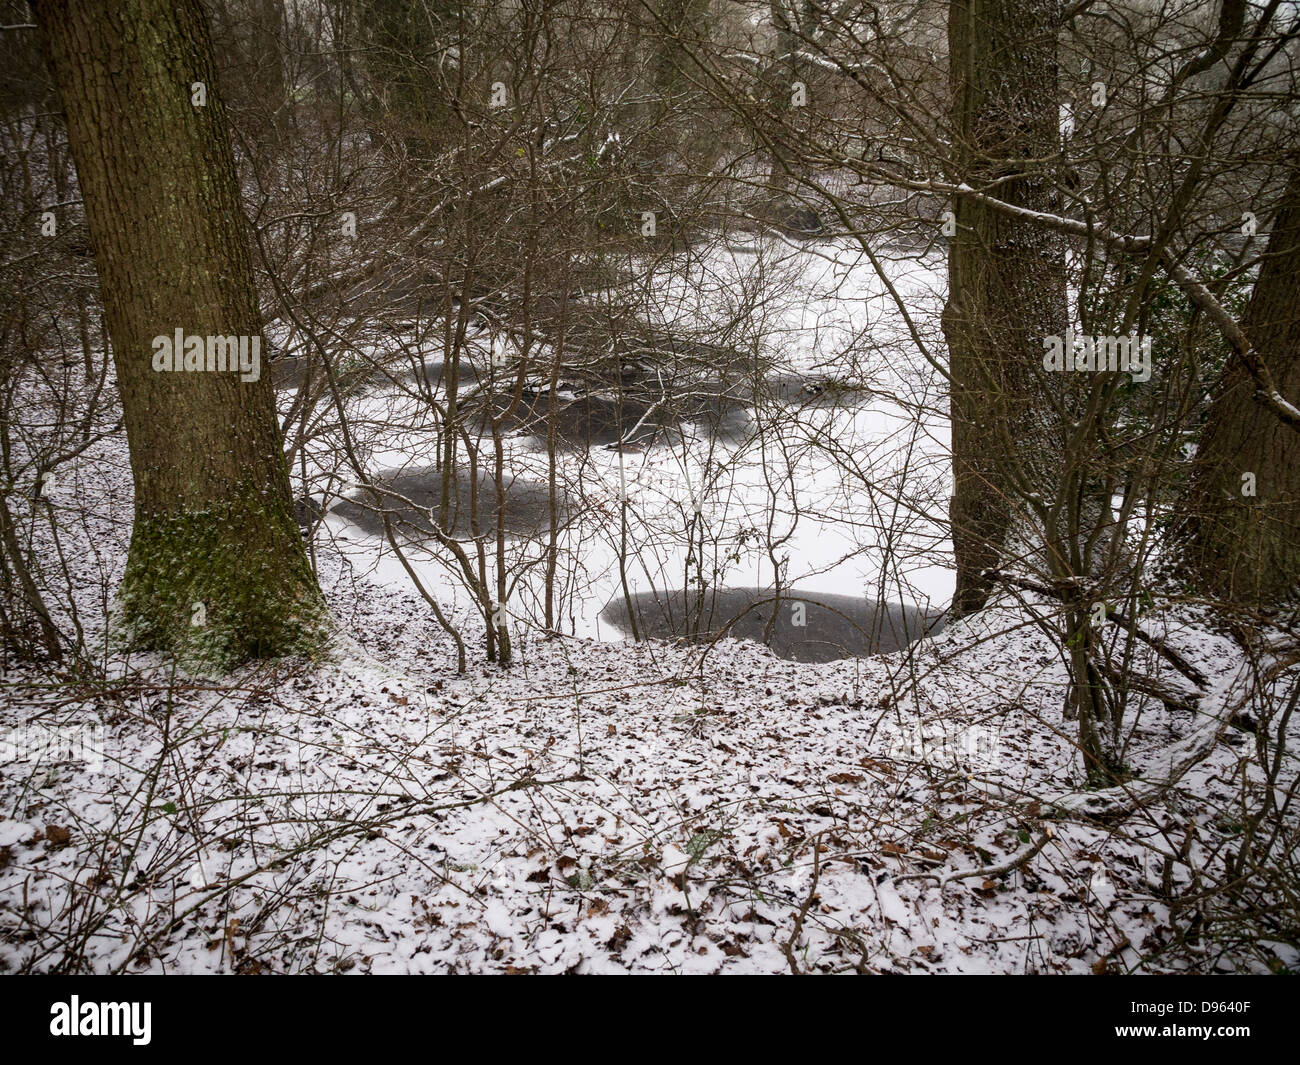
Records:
x=1173, y=698
x=989, y=871
x=788, y=948
x=1120, y=799
x=1118, y=617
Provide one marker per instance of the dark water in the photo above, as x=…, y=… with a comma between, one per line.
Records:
x=526, y=504
x=593, y=412
x=835, y=626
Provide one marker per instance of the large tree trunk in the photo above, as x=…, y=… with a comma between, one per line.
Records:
x=1244, y=547
x=216, y=566
x=1006, y=279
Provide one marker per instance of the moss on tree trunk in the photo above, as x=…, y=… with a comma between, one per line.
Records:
x=207, y=583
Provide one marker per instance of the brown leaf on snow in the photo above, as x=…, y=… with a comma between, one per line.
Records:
x=844, y=778
x=892, y=848
x=58, y=835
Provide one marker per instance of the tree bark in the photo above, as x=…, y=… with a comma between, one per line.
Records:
x=216, y=568
x=1243, y=547
x=1006, y=276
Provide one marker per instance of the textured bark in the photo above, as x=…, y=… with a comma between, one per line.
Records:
x=789, y=22
x=1243, y=548
x=683, y=25
x=408, y=50
x=213, y=515
x=1005, y=275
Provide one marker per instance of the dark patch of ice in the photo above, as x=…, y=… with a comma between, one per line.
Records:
x=836, y=626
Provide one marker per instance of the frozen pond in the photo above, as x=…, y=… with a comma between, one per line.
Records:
x=820, y=457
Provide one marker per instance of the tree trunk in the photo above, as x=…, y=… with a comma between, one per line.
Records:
x=1006, y=276
x=216, y=568
x=790, y=19
x=1240, y=546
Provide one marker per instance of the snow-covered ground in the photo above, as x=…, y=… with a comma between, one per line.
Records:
x=584, y=812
